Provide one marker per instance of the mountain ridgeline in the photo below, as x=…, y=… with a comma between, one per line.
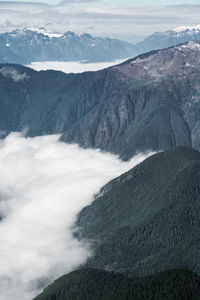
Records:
x=151, y=102
x=147, y=220
x=28, y=45
x=143, y=228
x=94, y=284
x=161, y=40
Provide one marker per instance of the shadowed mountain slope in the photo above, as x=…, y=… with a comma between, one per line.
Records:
x=151, y=102
x=90, y=284
x=147, y=220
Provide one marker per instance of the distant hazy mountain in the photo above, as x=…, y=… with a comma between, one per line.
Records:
x=37, y=44
x=150, y=102
x=29, y=45
x=161, y=40
x=147, y=220
x=93, y=284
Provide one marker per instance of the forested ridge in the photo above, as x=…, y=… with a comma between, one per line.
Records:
x=94, y=284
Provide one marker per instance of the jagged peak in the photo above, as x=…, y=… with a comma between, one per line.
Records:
x=186, y=28
x=40, y=30
x=190, y=44
x=43, y=31
x=178, y=60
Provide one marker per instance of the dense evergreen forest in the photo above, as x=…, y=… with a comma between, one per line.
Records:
x=147, y=220
x=94, y=284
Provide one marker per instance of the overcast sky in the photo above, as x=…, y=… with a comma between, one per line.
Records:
x=119, y=2
x=123, y=19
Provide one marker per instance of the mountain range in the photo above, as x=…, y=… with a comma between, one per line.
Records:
x=27, y=45
x=147, y=220
x=161, y=40
x=117, y=109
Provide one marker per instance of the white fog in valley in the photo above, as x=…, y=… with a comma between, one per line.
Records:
x=73, y=66
x=44, y=184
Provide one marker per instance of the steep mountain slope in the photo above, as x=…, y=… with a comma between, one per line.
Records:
x=90, y=284
x=147, y=220
x=28, y=45
x=161, y=40
x=150, y=102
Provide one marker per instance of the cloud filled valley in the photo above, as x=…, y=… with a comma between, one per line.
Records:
x=72, y=67
x=44, y=184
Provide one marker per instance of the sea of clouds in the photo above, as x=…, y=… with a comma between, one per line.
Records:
x=44, y=184
x=72, y=66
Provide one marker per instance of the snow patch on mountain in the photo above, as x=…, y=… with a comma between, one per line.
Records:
x=185, y=28
x=191, y=45
x=35, y=30
x=32, y=44
x=45, y=32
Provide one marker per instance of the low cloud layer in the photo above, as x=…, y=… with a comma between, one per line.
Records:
x=44, y=184
x=72, y=67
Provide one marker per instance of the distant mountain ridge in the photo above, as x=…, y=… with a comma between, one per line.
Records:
x=161, y=40
x=27, y=45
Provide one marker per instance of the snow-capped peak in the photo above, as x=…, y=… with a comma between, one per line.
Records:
x=190, y=45
x=184, y=28
x=45, y=32
x=41, y=30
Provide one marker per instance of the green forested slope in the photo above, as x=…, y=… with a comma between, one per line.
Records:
x=147, y=220
x=93, y=284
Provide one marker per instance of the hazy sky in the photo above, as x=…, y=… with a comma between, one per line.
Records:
x=123, y=19
x=120, y=2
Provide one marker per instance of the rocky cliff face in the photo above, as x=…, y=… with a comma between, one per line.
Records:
x=154, y=103
x=148, y=103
